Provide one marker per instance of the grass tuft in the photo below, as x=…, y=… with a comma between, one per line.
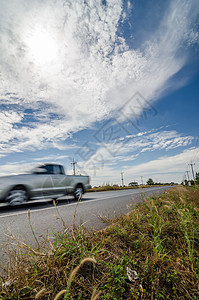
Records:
x=74, y=272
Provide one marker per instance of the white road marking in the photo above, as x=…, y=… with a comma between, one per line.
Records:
x=71, y=204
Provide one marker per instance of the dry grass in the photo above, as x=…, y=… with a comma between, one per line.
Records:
x=159, y=239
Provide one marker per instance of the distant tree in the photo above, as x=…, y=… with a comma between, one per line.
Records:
x=133, y=183
x=150, y=181
x=197, y=178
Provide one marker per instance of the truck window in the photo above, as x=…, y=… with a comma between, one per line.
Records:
x=57, y=169
x=49, y=169
x=62, y=170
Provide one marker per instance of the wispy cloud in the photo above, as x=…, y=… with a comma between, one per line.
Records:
x=88, y=70
x=131, y=148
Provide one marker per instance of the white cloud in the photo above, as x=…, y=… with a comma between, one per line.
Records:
x=51, y=158
x=149, y=141
x=103, y=168
x=166, y=140
x=23, y=167
x=164, y=169
x=111, y=157
x=16, y=168
x=88, y=70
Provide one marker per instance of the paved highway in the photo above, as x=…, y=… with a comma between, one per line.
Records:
x=44, y=216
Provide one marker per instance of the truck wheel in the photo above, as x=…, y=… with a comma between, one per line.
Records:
x=78, y=192
x=17, y=196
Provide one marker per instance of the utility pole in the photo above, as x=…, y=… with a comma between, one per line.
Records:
x=73, y=164
x=122, y=177
x=184, y=178
x=187, y=175
x=191, y=164
x=142, y=179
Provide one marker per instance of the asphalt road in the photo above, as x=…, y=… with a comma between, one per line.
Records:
x=91, y=212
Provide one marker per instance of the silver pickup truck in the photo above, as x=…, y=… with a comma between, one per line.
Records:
x=45, y=181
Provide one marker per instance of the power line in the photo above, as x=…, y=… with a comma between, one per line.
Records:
x=196, y=149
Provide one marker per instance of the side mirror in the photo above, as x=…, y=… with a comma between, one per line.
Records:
x=39, y=171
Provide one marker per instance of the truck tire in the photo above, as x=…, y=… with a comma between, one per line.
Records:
x=78, y=192
x=17, y=196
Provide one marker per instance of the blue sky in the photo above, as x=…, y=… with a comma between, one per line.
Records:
x=112, y=84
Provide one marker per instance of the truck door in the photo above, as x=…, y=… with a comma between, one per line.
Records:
x=42, y=181
x=58, y=181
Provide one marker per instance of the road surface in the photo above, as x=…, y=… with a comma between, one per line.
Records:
x=45, y=217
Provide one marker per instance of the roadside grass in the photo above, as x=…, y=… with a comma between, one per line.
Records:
x=159, y=239
x=108, y=187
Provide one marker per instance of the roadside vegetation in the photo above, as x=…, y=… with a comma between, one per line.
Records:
x=151, y=253
x=133, y=185
x=109, y=187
